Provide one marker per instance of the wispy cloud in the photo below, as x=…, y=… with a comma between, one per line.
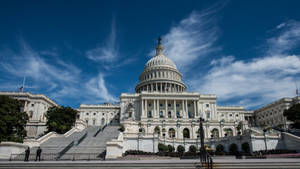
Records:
x=288, y=38
x=260, y=80
x=192, y=39
x=108, y=52
x=56, y=78
x=96, y=86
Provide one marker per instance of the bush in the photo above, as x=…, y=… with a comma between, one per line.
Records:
x=220, y=149
x=233, y=149
x=162, y=147
x=122, y=128
x=246, y=147
x=193, y=149
x=171, y=149
x=180, y=149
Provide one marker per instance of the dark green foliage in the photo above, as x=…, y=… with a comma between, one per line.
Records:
x=171, y=149
x=293, y=114
x=233, y=148
x=220, y=149
x=12, y=120
x=122, y=128
x=60, y=119
x=246, y=147
x=180, y=149
x=162, y=147
x=192, y=149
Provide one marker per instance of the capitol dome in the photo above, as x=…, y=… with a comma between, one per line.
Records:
x=160, y=74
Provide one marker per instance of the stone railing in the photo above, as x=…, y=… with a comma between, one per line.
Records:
x=114, y=148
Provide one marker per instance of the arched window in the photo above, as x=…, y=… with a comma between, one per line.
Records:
x=171, y=133
x=186, y=133
x=215, y=133
x=228, y=132
x=157, y=130
x=102, y=121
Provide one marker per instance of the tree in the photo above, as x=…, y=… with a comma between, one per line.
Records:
x=60, y=119
x=293, y=114
x=233, y=148
x=171, y=148
x=12, y=120
x=220, y=149
x=193, y=149
x=180, y=149
x=162, y=147
x=246, y=147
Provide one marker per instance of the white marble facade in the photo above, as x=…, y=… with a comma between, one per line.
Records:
x=162, y=102
x=99, y=115
x=36, y=106
x=272, y=114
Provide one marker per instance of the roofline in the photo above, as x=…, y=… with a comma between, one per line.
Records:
x=30, y=95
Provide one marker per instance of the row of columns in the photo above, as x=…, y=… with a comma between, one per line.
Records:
x=163, y=87
x=156, y=108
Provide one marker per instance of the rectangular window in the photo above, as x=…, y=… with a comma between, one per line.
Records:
x=178, y=114
x=189, y=105
x=169, y=105
x=94, y=122
x=207, y=105
x=177, y=105
x=94, y=114
x=149, y=114
x=161, y=105
x=161, y=114
x=149, y=104
x=87, y=114
x=208, y=115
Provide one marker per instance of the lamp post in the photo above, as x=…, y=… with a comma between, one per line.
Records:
x=138, y=143
x=265, y=139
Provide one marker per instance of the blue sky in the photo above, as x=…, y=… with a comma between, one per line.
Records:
x=75, y=52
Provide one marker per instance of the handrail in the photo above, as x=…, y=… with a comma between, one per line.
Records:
x=206, y=160
x=62, y=152
x=98, y=131
x=83, y=137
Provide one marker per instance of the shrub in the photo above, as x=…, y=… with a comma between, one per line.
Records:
x=171, y=149
x=180, y=149
x=193, y=149
x=162, y=147
x=246, y=147
x=122, y=128
x=220, y=149
x=233, y=149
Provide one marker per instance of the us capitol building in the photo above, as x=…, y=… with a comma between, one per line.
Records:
x=162, y=105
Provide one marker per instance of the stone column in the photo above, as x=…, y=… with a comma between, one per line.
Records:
x=157, y=114
x=183, y=109
x=186, y=109
x=195, y=109
x=175, y=115
x=142, y=107
x=166, y=111
x=154, y=108
x=161, y=87
x=146, y=105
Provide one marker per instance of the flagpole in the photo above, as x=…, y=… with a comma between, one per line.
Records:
x=23, y=86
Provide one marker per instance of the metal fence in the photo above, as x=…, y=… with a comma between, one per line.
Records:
x=54, y=157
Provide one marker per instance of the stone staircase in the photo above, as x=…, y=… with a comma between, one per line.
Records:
x=93, y=145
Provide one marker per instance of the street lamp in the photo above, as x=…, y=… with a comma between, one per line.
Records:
x=265, y=139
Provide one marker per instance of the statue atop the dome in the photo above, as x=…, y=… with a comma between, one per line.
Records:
x=159, y=47
x=159, y=40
